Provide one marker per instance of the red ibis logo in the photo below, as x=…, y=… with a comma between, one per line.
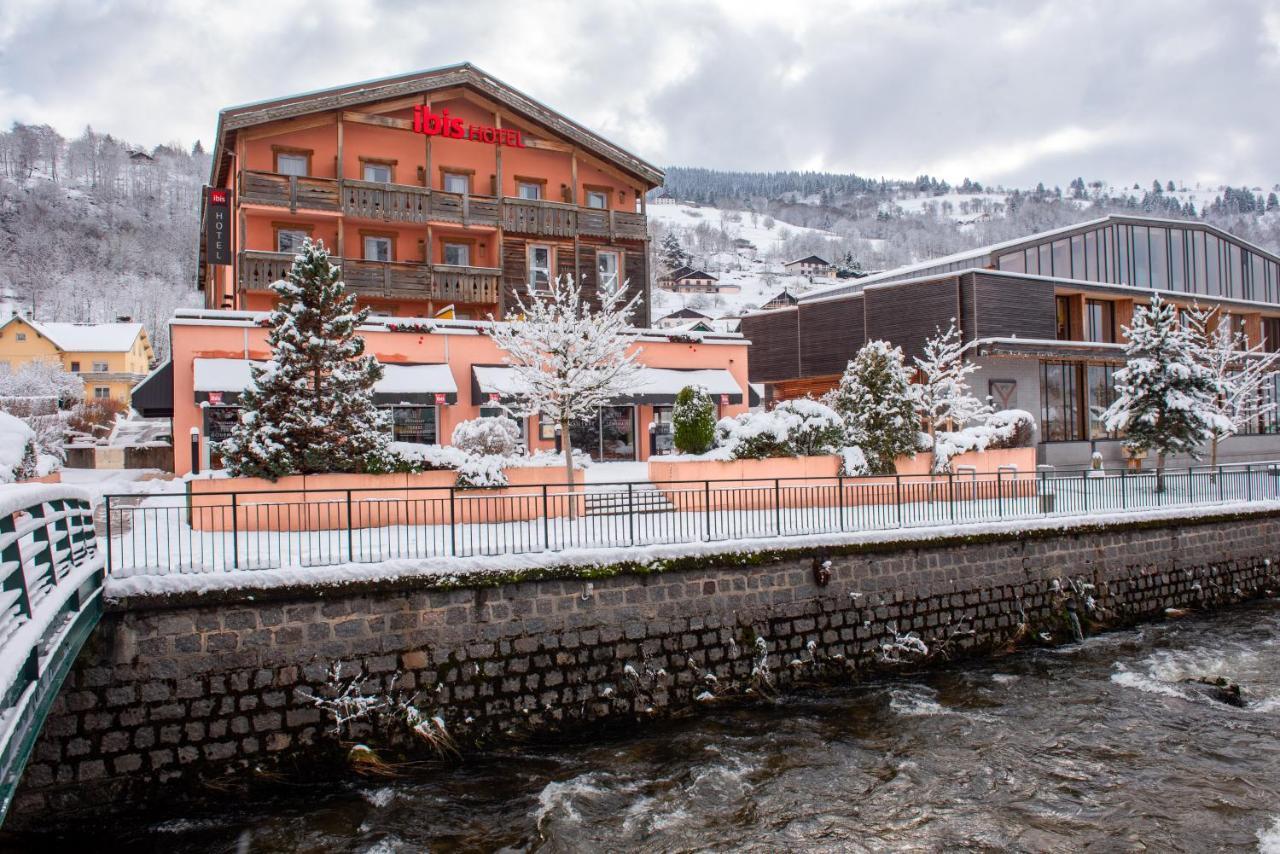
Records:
x=453, y=127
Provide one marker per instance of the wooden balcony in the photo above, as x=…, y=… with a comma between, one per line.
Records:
x=388, y=280
x=409, y=204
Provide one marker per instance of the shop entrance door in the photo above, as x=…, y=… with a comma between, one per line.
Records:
x=609, y=436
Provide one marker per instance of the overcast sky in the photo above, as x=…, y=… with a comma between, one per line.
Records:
x=1002, y=92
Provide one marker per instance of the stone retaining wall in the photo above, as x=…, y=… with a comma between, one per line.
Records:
x=168, y=696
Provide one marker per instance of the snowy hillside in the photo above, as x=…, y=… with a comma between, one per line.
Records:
x=765, y=233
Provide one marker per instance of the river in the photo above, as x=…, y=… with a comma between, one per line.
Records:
x=1097, y=746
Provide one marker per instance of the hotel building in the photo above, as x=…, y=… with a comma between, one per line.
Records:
x=442, y=195
x=1044, y=315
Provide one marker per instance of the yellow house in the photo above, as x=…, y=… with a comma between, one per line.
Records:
x=110, y=357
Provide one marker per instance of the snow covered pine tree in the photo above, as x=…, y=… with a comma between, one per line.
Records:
x=874, y=399
x=1165, y=396
x=671, y=253
x=943, y=396
x=569, y=359
x=310, y=409
x=693, y=421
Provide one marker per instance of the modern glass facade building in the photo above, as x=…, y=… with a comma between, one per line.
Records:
x=1046, y=317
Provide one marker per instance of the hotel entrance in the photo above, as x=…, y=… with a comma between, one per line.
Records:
x=609, y=437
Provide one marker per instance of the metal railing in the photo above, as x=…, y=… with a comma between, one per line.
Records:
x=50, y=601
x=263, y=529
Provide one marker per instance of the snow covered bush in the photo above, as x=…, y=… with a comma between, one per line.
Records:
x=487, y=435
x=19, y=457
x=43, y=379
x=875, y=400
x=1009, y=428
x=853, y=463
x=693, y=421
x=794, y=428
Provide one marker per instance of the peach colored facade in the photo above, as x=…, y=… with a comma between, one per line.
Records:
x=422, y=222
x=207, y=335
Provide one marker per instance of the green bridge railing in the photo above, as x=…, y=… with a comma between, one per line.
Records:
x=51, y=575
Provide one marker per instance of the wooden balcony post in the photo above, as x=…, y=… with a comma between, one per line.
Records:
x=293, y=194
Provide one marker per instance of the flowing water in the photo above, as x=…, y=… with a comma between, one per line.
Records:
x=1097, y=746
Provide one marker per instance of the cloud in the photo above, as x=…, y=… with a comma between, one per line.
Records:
x=1000, y=92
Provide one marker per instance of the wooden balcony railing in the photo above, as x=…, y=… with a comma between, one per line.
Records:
x=387, y=279
x=410, y=204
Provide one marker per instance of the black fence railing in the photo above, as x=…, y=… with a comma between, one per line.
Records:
x=223, y=531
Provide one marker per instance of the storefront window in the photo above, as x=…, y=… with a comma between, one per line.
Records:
x=1101, y=392
x=219, y=422
x=415, y=424
x=495, y=411
x=663, y=435
x=1059, y=395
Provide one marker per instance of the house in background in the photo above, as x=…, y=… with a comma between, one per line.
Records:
x=810, y=265
x=110, y=357
x=683, y=317
x=691, y=280
x=781, y=300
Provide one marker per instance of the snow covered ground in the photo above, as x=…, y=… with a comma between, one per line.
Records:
x=764, y=232
x=156, y=538
x=100, y=482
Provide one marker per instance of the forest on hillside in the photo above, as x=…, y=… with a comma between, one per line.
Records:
x=93, y=229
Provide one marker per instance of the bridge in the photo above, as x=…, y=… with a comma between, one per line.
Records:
x=50, y=602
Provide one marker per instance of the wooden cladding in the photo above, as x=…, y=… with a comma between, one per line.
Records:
x=906, y=315
x=833, y=332
x=775, y=345
x=997, y=307
x=407, y=203
x=383, y=278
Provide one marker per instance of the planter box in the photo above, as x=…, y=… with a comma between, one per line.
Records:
x=324, y=502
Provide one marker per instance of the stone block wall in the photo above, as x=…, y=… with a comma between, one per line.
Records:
x=168, y=696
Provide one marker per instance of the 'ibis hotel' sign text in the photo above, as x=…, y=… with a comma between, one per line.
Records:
x=427, y=122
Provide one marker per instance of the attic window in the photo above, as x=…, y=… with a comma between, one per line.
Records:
x=22, y=336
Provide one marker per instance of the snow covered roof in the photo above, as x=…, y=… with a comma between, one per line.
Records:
x=654, y=385
x=691, y=273
x=233, y=376
x=809, y=259
x=687, y=312
x=87, y=337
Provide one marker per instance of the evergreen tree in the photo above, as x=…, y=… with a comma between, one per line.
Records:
x=671, y=253
x=943, y=397
x=1169, y=187
x=1164, y=395
x=310, y=409
x=1272, y=202
x=875, y=400
x=693, y=421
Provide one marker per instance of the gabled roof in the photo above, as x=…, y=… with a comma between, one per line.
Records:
x=809, y=259
x=463, y=75
x=690, y=273
x=687, y=312
x=86, y=337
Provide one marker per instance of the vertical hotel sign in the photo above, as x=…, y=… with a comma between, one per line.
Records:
x=217, y=225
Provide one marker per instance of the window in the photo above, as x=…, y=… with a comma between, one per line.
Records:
x=415, y=424
x=1077, y=257
x=607, y=267
x=1101, y=390
x=1100, y=316
x=457, y=182
x=1270, y=335
x=546, y=428
x=457, y=254
x=1063, y=307
x=293, y=161
x=290, y=239
x=526, y=189
x=598, y=199
x=1013, y=263
x=378, y=173
x=100, y=367
x=75, y=367
x=663, y=434
x=1062, y=259
x=1177, y=261
x=377, y=248
x=22, y=336
x=1141, y=257
x=1091, y=256
x=1060, y=420
x=1159, y=259
x=539, y=267
x=101, y=392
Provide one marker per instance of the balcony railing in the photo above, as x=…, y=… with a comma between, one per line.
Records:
x=387, y=279
x=407, y=203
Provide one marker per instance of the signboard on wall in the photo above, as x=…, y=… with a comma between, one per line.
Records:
x=217, y=226
x=452, y=127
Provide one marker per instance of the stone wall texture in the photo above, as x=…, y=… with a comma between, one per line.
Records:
x=169, y=698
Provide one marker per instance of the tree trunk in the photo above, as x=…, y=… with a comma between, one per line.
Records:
x=566, y=445
x=1213, y=459
x=1160, y=472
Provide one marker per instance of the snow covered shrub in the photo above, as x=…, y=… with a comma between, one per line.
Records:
x=18, y=457
x=794, y=428
x=1009, y=428
x=693, y=421
x=483, y=470
x=943, y=397
x=853, y=463
x=876, y=401
x=487, y=435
